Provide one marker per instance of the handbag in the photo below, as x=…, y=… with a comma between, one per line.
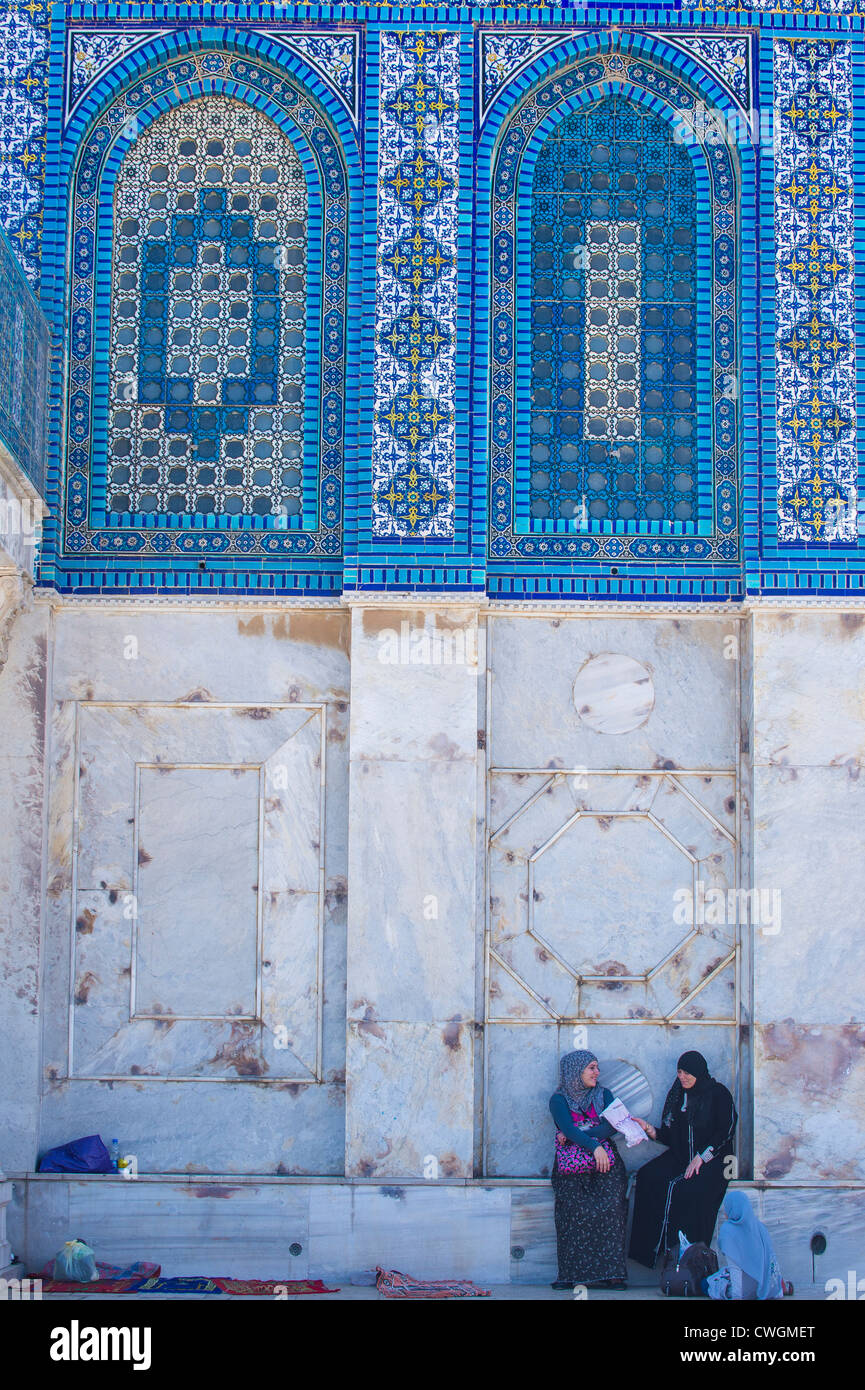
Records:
x=682, y=1276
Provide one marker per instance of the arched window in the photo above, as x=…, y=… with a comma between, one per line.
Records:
x=614, y=320
x=208, y=292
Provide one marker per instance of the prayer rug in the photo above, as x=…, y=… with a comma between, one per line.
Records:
x=392, y=1284
x=288, y=1287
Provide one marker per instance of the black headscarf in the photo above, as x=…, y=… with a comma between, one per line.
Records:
x=695, y=1064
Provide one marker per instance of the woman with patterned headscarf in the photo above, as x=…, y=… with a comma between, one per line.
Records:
x=589, y=1180
x=682, y=1189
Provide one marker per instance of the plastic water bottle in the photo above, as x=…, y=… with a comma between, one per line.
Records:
x=115, y=1154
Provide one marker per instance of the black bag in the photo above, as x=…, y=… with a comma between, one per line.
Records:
x=682, y=1278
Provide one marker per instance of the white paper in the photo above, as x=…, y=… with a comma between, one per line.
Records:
x=618, y=1116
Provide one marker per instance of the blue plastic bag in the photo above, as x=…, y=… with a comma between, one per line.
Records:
x=75, y=1263
x=88, y=1155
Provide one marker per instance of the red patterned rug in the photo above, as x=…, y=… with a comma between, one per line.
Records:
x=391, y=1284
x=286, y=1287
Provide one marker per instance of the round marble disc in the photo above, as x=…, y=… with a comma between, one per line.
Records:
x=613, y=694
x=628, y=1084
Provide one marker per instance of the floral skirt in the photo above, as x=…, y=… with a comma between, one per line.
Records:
x=591, y=1211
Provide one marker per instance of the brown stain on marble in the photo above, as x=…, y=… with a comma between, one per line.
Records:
x=84, y=986
x=58, y=884
x=378, y=620
x=255, y=712
x=611, y=968
x=368, y=1026
x=253, y=627
x=238, y=1052
x=84, y=921
x=451, y=1167
x=320, y=629
x=199, y=696
x=850, y=623
x=780, y=1163
x=214, y=1191
x=143, y=856
x=812, y=1058
x=443, y=747
x=452, y=1033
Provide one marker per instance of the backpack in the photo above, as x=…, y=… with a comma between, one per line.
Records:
x=682, y=1276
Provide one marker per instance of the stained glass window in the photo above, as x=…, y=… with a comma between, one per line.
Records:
x=206, y=368
x=614, y=293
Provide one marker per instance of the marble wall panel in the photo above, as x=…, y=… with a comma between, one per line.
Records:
x=535, y=662
x=245, y=1230
x=809, y=689
x=808, y=851
x=432, y=1233
x=23, y=679
x=413, y=926
x=169, y=653
x=245, y=1123
x=418, y=698
x=809, y=961
x=793, y=1216
x=200, y=826
x=409, y=1095
x=809, y=1097
x=411, y=907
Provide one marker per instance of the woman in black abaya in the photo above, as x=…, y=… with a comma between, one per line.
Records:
x=682, y=1189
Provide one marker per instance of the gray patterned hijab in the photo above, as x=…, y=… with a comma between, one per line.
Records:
x=571, y=1068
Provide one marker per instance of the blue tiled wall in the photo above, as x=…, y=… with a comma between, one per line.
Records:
x=61, y=66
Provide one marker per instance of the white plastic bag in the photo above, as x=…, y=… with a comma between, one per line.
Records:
x=75, y=1263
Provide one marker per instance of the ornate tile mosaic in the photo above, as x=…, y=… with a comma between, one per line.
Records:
x=208, y=305
x=727, y=55
x=614, y=241
x=504, y=52
x=271, y=521
x=815, y=293
x=23, y=369
x=334, y=57
x=416, y=287
x=23, y=117
x=89, y=52
x=713, y=533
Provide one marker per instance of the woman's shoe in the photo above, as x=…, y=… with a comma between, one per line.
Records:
x=787, y=1288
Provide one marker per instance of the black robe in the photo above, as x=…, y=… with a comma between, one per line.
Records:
x=665, y=1201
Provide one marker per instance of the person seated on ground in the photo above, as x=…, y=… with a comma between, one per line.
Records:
x=682, y=1189
x=748, y=1268
x=589, y=1181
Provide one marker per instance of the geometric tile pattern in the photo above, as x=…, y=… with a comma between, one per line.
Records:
x=225, y=535
x=414, y=434
x=23, y=369
x=23, y=115
x=89, y=52
x=614, y=318
x=727, y=56
x=815, y=295
x=514, y=533
x=207, y=350
x=334, y=56
x=504, y=52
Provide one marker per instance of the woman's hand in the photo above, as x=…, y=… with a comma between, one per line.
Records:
x=694, y=1167
x=644, y=1125
x=602, y=1159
